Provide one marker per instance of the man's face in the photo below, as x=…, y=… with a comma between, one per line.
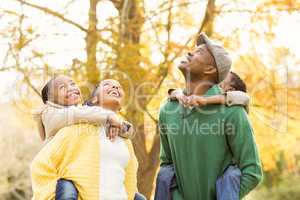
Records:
x=197, y=60
x=110, y=92
x=64, y=91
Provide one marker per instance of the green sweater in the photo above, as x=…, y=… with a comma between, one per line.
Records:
x=195, y=142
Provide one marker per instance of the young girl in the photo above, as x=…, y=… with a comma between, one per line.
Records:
x=228, y=185
x=62, y=97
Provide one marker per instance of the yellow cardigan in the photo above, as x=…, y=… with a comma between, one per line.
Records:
x=73, y=154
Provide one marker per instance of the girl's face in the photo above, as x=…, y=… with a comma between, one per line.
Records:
x=110, y=92
x=65, y=92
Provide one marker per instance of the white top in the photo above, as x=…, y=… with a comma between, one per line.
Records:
x=114, y=159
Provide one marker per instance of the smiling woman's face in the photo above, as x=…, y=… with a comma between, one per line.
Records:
x=110, y=93
x=64, y=91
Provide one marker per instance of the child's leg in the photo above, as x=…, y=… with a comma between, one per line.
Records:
x=139, y=196
x=165, y=182
x=228, y=185
x=65, y=190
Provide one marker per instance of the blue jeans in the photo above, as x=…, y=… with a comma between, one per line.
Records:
x=139, y=196
x=228, y=185
x=165, y=183
x=66, y=190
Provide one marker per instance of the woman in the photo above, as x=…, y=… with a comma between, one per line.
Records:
x=98, y=167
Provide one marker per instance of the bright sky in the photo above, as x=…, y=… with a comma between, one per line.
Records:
x=69, y=44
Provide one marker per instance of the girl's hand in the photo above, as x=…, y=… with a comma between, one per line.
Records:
x=114, y=120
x=112, y=133
x=114, y=126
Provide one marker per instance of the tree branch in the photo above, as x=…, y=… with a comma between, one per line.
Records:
x=162, y=10
x=53, y=13
x=27, y=80
x=263, y=11
x=150, y=115
x=208, y=21
x=164, y=72
x=7, y=68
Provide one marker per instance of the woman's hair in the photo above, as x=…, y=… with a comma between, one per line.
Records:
x=89, y=102
x=237, y=83
x=46, y=90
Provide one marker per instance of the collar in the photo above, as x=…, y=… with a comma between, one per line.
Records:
x=213, y=90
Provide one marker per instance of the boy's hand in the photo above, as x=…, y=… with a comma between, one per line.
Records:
x=178, y=95
x=195, y=100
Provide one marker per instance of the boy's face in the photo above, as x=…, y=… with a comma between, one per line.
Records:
x=226, y=84
x=64, y=91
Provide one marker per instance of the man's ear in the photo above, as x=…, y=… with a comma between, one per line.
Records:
x=209, y=70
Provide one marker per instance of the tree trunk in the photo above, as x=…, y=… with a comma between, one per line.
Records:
x=131, y=22
x=148, y=161
x=92, y=39
x=207, y=24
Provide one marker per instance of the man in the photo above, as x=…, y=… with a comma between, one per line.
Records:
x=203, y=142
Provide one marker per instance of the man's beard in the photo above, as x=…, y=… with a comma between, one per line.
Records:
x=191, y=77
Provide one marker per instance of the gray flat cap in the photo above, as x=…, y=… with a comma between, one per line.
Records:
x=221, y=56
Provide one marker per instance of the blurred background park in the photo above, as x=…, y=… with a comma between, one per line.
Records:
x=140, y=42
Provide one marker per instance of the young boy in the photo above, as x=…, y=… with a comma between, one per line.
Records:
x=234, y=94
x=228, y=185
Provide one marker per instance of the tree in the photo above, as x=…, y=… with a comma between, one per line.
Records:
x=127, y=47
x=132, y=18
x=124, y=44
